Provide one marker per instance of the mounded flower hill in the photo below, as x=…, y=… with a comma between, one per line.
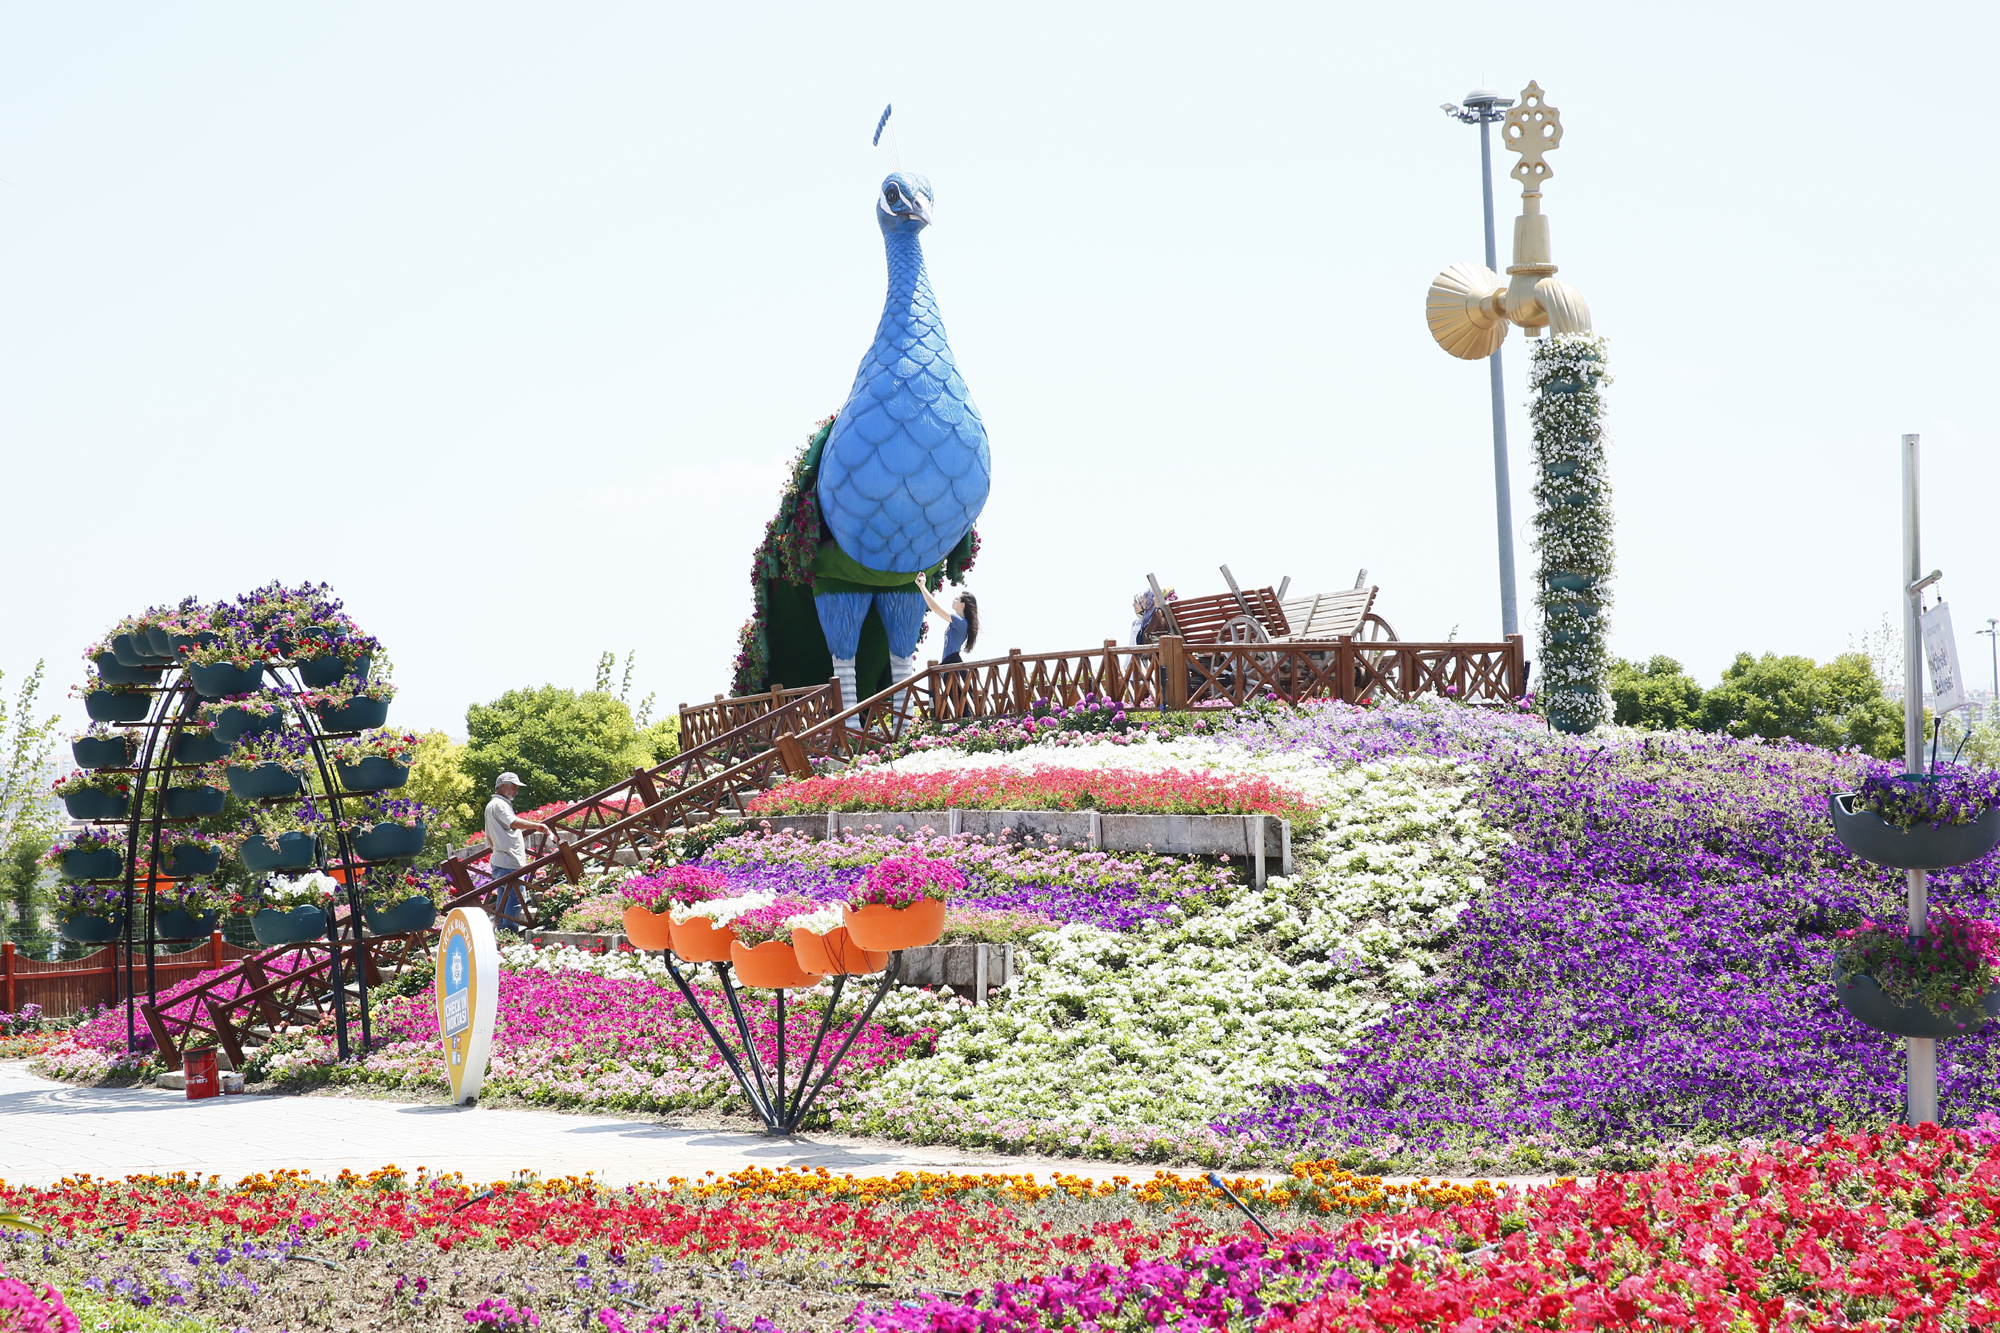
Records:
x=1501, y=949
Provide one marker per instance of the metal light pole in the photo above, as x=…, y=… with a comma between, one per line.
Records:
x=1484, y=107
x=1992, y=632
x=1920, y=1053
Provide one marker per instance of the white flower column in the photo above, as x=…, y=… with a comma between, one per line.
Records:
x=1572, y=528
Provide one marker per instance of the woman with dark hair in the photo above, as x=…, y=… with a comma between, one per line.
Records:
x=961, y=623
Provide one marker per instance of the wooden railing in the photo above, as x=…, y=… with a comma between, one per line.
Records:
x=705, y=722
x=1172, y=674
x=797, y=731
x=99, y=978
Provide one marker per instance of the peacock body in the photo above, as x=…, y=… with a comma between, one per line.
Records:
x=906, y=471
x=890, y=490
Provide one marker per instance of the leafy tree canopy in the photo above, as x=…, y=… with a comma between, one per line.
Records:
x=1840, y=703
x=564, y=744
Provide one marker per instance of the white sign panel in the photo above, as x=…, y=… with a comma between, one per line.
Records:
x=1941, y=655
x=468, y=998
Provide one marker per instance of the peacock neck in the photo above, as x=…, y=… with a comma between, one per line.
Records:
x=909, y=284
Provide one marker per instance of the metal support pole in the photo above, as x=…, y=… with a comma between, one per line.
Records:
x=1503, y=495
x=1920, y=1057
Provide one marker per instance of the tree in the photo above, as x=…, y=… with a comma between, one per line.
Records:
x=28, y=819
x=1834, y=705
x=1659, y=696
x=439, y=779
x=564, y=745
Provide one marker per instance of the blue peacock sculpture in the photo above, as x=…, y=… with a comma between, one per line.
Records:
x=885, y=493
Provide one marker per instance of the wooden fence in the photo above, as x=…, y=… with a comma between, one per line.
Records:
x=99, y=978
x=1170, y=674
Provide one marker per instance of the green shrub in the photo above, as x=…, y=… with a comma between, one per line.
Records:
x=1659, y=696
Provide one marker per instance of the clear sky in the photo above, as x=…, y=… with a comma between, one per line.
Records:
x=505, y=319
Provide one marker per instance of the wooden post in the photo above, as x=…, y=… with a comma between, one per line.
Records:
x=215, y=948
x=1517, y=667
x=7, y=976
x=1343, y=669
x=1108, y=681
x=649, y=795
x=1017, y=674
x=1173, y=672
x=461, y=879
x=793, y=755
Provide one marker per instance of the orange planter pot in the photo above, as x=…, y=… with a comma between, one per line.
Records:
x=648, y=930
x=698, y=941
x=772, y=964
x=811, y=950
x=835, y=953
x=886, y=929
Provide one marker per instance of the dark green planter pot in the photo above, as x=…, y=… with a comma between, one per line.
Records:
x=262, y=782
x=114, y=672
x=233, y=724
x=159, y=642
x=193, y=862
x=1873, y=838
x=405, y=918
x=88, y=929
x=177, y=923
x=192, y=802
x=107, y=864
x=213, y=680
x=320, y=672
x=373, y=774
x=297, y=926
x=1862, y=997
x=292, y=851
x=103, y=751
x=1572, y=582
x=104, y=706
x=389, y=842
x=131, y=651
x=97, y=805
x=183, y=642
x=359, y=715
x=196, y=747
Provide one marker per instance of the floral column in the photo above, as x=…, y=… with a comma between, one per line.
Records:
x=1572, y=528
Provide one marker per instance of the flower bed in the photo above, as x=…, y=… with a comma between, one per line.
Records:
x=801, y=1247
x=580, y=1031
x=1121, y=791
x=1062, y=885
x=1667, y=910
x=1865, y=1232
x=1125, y=1045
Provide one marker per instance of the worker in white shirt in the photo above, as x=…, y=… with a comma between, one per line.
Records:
x=510, y=850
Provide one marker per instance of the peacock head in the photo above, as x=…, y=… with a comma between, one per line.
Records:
x=905, y=202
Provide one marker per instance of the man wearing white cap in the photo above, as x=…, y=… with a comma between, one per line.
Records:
x=503, y=835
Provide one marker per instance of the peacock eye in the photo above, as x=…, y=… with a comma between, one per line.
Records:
x=894, y=195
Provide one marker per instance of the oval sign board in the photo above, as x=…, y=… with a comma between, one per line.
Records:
x=468, y=998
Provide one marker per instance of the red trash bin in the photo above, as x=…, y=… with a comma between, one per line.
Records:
x=199, y=1067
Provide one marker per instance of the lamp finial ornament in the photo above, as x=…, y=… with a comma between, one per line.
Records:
x=1532, y=128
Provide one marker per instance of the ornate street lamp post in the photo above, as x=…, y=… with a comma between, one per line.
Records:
x=1484, y=107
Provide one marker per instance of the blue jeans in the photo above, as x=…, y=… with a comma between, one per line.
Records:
x=512, y=899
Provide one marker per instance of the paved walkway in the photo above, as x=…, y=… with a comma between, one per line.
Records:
x=49, y=1130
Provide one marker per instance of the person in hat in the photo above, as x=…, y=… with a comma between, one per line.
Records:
x=510, y=850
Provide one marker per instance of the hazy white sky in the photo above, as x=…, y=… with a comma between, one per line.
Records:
x=505, y=319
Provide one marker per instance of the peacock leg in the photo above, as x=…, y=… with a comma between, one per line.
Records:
x=840, y=617
x=843, y=670
x=902, y=613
